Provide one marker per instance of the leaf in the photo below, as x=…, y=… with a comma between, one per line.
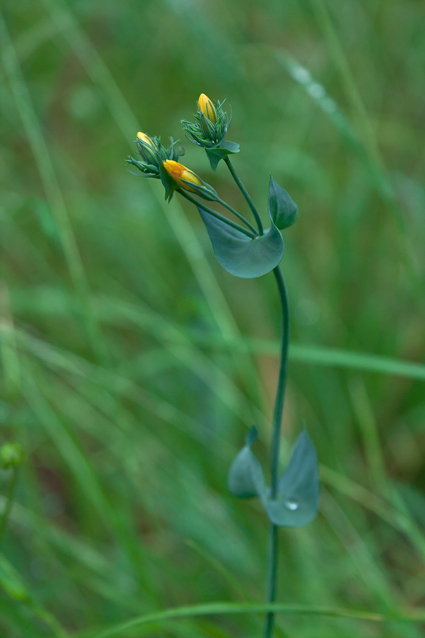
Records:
x=239, y=254
x=245, y=475
x=10, y=581
x=216, y=153
x=298, y=488
x=221, y=608
x=282, y=208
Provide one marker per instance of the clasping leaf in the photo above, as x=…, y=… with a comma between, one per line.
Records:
x=246, y=478
x=298, y=497
x=282, y=208
x=298, y=489
x=221, y=151
x=241, y=255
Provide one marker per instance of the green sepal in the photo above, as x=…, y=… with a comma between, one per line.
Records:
x=240, y=255
x=221, y=151
x=174, y=151
x=282, y=208
x=205, y=190
x=167, y=181
x=147, y=170
x=245, y=478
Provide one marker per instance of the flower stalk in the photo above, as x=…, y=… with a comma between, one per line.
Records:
x=246, y=195
x=273, y=540
x=273, y=547
x=217, y=215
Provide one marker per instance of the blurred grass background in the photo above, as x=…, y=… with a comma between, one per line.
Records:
x=132, y=364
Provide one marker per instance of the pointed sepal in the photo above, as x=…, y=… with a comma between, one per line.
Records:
x=167, y=181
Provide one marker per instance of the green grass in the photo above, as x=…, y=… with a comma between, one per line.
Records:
x=131, y=364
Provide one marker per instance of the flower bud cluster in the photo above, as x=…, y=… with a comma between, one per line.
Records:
x=211, y=123
x=154, y=154
x=162, y=163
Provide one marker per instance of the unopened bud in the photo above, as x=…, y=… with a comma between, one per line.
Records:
x=181, y=175
x=148, y=148
x=146, y=139
x=207, y=108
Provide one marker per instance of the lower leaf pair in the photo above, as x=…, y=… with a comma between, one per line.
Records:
x=297, y=502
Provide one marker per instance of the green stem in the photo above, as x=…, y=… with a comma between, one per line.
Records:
x=235, y=212
x=214, y=213
x=9, y=502
x=272, y=555
x=246, y=195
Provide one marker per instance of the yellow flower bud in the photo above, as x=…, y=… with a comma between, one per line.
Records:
x=207, y=107
x=146, y=139
x=179, y=173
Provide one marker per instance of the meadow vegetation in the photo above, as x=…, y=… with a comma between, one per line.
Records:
x=132, y=364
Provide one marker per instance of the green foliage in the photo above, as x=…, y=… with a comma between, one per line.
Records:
x=10, y=581
x=11, y=455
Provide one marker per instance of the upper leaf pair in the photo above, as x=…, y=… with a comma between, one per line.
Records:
x=247, y=257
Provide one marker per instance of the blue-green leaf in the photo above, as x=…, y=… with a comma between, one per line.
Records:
x=221, y=151
x=245, y=478
x=297, y=503
x=239, y=254
x=282, y=208
x=298, y=489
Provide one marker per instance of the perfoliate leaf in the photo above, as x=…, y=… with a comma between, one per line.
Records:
x=298, y=488
x=230, y=147
x=239, y=254
x=282, y=208
x=216, y=153
x=297, y=503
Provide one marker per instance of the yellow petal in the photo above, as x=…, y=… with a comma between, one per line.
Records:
x=207, y=107
x=179, y=173
x=146, y=139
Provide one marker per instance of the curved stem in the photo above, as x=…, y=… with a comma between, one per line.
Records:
x=9, y=502
x=246, y=195
x=235, y=212
x=219, y=216
x=272, y=556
